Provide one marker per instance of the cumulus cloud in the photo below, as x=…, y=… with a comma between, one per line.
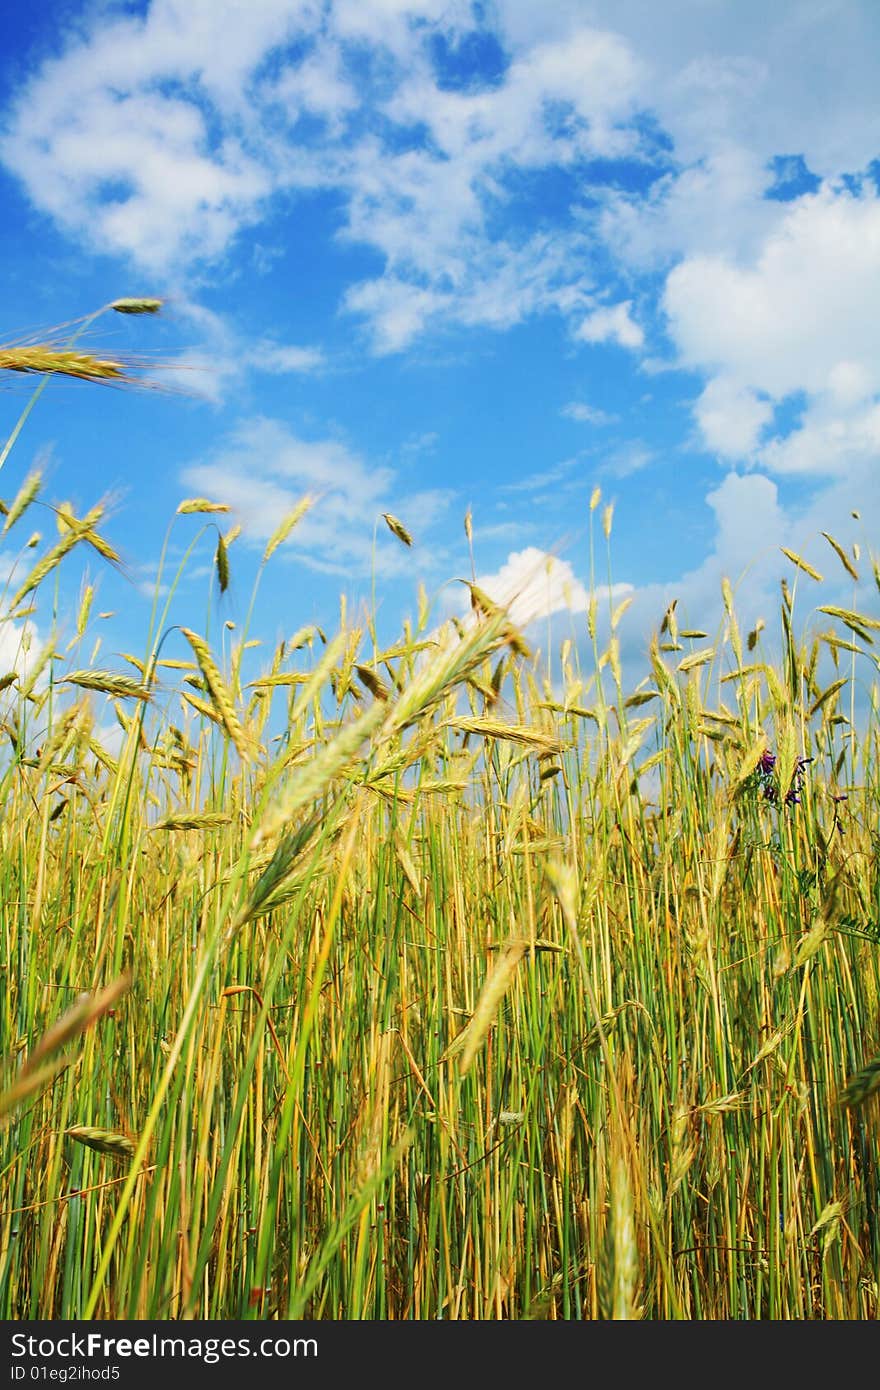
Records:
x=138, y=136
x=808, y=303
x=798, y=318
x=612, y=325
x=433, y=211
x=715, y=206
x=761, y=78
x=162, y=137
x=398, y=312
x=829, y=442
x=731, y=417
x=535, y=584
x=749, y=522
x=749, y=525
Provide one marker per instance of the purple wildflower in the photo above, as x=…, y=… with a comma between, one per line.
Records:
x=792, y=796
x=766, y=771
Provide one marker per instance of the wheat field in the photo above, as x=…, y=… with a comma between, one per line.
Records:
x=407, y=983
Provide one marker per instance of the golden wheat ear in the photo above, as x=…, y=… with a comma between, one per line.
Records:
x=397, y=528
x=136, y=306
x=498, y=982
x=220, y=695
x=42, y=1063
x=104, y=1141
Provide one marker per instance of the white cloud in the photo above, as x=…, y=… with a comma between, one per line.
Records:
x=750, y=525
x=317, y=87
x=20, y=647
x=395, y=22
x=849, y=383
x=731, y=417
x=612, y=325
x=592, y=74
x=543, y=478
x=808, y=303
x=587, y=414
x=224, y=354
x=534, y=584
x=715, y=206
x=628, y=458
x=749, y=521
x=432, y=212
x=135, y=173
x=263, y=469
x=762, y=77
x=397, y=312
x=829, y=443
x=162, y=137
x=544, y=597
x=114, y=138
x=798, y=318
x=278, y=359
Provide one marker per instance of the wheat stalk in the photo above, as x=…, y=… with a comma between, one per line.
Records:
x=497, y=983
x=53, y=557
x=219, y=694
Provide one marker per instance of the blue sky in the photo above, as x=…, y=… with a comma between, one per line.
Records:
x=420, y=257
